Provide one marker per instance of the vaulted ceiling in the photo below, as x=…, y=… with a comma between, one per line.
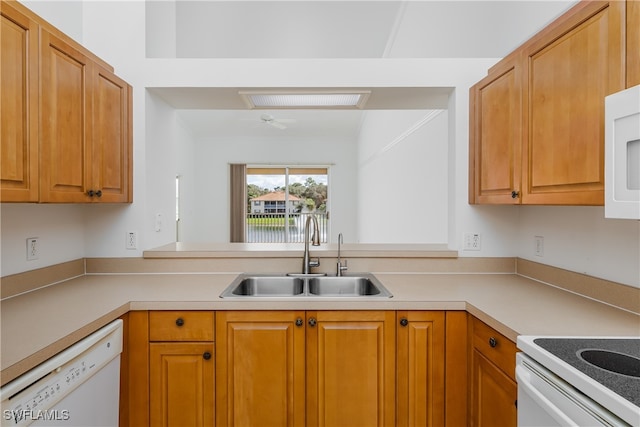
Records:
x=332, y=29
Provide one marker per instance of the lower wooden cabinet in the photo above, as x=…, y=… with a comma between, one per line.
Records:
x=294, y=368
x=492, y=386
x=494, y=395
x=420, y=368
x=260, y=368
x=181, y=384
x=170, y=369
x=351, y=368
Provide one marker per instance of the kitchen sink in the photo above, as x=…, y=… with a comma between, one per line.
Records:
x=346, y=286
x=265, y=286
x=300, y=285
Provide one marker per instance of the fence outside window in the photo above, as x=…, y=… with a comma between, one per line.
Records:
x=282, y=227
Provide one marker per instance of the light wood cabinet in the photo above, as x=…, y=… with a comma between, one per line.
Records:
x=552, y=139
x=492, y=385
x=315, y=368
x=181, y=368
x=85, y=135
x=420, y=369
x=633, y=43
x=181, y=385
x=351, y=368
x=260, y=368
x=495, y=126
x=170, y=369
x=570, y=68
x=66, y=117
x=18, y=106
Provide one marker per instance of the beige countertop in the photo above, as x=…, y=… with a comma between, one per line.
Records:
x=38, y=324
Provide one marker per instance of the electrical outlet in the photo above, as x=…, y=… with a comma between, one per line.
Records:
x=131, y=241
x=538, y=246
x=472, y=242
x=33, y=249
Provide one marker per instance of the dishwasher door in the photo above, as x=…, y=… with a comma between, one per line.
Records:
x=78, y=387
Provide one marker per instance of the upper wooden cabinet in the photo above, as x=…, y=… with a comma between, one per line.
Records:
x=80, y=148
x=496, y=131
x=537, y=119
x=18, y=106
x=633, y=43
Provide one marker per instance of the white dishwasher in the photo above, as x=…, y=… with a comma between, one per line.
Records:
x=79, y=386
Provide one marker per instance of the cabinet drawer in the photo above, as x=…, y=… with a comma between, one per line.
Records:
x=494, y=346
x=181, y=326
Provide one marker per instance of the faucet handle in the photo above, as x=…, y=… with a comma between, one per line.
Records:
x=314, y=262
x=342, y=267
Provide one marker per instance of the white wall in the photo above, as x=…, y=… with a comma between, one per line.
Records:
x=579, y=238
x=213, y=156
x=402, y=160
x=186, y=168
x=59, y=228
x=115, y=31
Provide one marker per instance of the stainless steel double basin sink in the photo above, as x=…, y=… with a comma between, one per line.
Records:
x=301, y=285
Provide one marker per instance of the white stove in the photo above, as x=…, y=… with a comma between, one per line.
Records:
x=578, y=381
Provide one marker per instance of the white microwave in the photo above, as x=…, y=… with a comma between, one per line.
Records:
x=622, y=154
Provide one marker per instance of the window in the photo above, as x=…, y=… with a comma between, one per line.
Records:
x=280, y=199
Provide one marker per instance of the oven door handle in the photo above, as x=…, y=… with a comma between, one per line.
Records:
x=523, y=376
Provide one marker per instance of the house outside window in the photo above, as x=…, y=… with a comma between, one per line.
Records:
x=280, y=199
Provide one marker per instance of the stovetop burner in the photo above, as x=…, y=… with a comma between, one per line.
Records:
x=612, y=362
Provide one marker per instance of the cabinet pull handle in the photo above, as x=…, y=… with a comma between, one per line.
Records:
x=493, y=342
x=299, y=321
x=515, y=194
x=312, y=322
x=179, y=321
x=404, y=321
x=206, y=355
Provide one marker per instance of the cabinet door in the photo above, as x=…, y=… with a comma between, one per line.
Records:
x=65, y=121
x=421, y=391
x=260, y=369
x=493, y=395
x=633, y=43
x=181, y=384
x=111, y=139
x=18, y=106
x=496, y=135
x=351, y=368
x=570, y=67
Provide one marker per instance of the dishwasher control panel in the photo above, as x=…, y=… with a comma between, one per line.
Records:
x=32, y=396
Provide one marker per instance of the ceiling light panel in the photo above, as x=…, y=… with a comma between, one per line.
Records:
x=305, y=100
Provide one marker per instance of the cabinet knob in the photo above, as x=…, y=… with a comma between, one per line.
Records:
x=91, y=193
x=206, y=355
x=515, y=194
x=493, y=342
x=99, y=193
x=299, y=321
x=179, y=321
x=404, y=321
x=312, y=321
